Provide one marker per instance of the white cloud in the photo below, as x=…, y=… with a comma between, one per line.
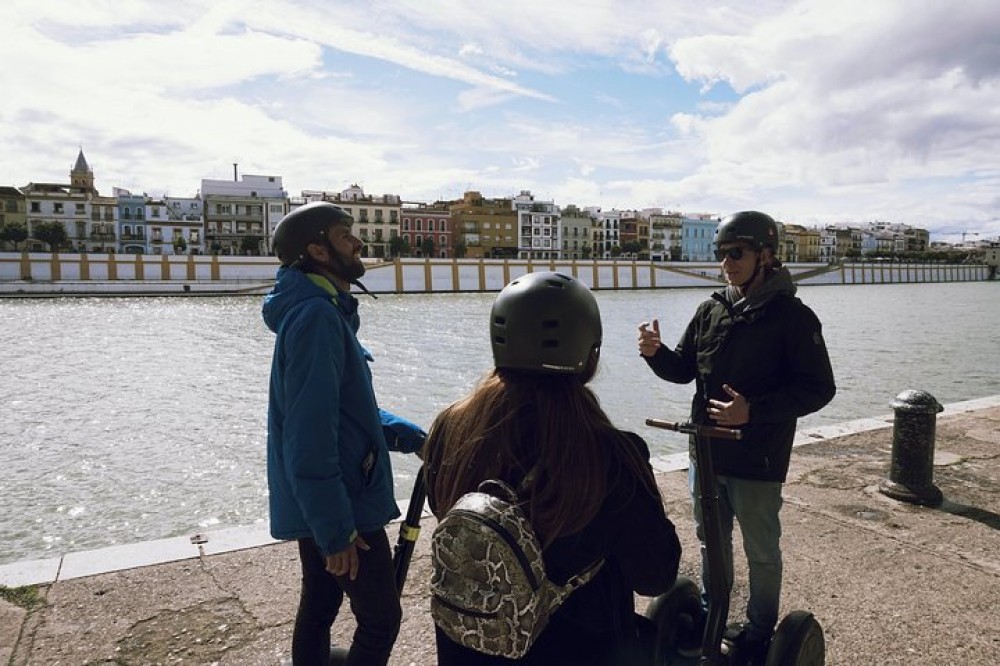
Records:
x=818, y=109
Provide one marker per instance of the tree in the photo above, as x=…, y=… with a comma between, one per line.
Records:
x=631, y=247
x=250, y=245
x=179, y=244
x=460, y=250
x=53, y=233
x=427, y=247
x=13, y=232
x=398, y=246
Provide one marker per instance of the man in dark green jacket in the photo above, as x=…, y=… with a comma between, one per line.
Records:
x=758, y=359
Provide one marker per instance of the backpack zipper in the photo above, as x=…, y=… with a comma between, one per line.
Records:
x=460, y=609
x=511, y=541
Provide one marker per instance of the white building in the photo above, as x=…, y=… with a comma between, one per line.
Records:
x=538, y=229
x=240, y=215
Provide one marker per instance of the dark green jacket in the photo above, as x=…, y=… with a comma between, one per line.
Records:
x=769, y=348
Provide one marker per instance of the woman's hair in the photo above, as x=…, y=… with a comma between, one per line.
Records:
x=551, y=424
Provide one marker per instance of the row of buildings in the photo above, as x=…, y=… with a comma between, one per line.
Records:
x=238, y=216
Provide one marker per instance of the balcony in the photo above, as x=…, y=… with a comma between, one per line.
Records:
x=102, y=236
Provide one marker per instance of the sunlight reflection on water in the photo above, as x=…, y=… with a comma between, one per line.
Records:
x=125, y=419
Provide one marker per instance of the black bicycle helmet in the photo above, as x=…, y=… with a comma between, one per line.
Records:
x=305, y=225
x=749, y=226
x=545, y=322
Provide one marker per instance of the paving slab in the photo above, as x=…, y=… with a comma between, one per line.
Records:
x=890, y=582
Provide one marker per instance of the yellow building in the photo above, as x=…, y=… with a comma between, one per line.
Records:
x=486, y=227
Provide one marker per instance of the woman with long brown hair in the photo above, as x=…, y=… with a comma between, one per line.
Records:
x=586, y=486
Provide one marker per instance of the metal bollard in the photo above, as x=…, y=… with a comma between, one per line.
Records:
x=911, y=473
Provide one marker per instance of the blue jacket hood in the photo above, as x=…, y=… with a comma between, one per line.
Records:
x=293, y=287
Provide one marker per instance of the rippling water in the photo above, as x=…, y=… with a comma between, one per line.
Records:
x=125, y=419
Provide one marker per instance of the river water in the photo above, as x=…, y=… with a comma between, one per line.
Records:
x=126, y=419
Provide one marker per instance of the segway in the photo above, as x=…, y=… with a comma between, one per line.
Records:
x=798, y=639
x=402, y=553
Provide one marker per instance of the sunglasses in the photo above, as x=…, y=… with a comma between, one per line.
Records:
x=734, y=253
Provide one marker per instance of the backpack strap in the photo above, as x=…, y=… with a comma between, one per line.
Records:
x=576, y=581
x=499, y=489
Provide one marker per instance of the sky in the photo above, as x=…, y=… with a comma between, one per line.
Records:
x=817, y=112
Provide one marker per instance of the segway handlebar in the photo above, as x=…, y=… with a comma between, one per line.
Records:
x=689, y=428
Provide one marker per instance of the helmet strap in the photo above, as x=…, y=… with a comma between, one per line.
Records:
x=756, y=271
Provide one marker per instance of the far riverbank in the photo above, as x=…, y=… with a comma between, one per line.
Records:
x=40, y=274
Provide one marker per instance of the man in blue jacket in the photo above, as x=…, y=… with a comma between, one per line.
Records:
x=328, y=470
x=759, y=362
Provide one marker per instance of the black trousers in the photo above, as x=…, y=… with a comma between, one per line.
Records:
x=373, y=599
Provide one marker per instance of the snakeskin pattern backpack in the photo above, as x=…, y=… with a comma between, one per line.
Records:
x=489, y=590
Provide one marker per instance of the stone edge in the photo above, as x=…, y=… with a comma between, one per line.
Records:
x=214, y=542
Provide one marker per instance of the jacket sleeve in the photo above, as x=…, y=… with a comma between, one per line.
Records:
x=646, y=546
x=312, y=384
x=810, y=384
x=401, y=435
x=677, y=365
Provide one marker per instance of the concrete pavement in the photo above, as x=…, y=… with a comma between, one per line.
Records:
x=890, y=582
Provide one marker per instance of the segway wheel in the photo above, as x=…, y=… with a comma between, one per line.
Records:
x=674, y=614
x=338, y=656
x=798, y=641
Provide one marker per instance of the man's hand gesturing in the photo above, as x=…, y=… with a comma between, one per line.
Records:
x=649, y=340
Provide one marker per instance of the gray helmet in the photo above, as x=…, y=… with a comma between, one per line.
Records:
x=305, y=225
x=749, y=226
x=546, y=322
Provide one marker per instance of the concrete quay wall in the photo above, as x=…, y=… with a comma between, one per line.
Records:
x=45, y=273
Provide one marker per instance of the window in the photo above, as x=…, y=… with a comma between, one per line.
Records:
x=430, y=225
x=36, y=207
x=378, y=216
x=420, y=225
x=154, y=211
x=406, y=224
x=57, y=208
x=80, y=209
